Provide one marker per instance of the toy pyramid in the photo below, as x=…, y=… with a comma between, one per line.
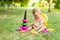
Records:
x=24, y=27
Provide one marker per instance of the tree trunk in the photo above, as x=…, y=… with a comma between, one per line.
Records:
x=50, y=5
x=0, y=4
x=5, y=6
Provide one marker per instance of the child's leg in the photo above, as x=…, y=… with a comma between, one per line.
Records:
x=40, y=29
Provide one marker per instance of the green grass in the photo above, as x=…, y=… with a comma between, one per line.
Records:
x=11, y=19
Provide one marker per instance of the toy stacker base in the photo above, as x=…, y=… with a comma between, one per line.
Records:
x=22, y=29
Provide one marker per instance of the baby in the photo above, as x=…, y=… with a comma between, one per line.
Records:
x=38, y=22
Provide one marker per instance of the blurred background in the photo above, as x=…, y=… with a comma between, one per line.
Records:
x=12, y=4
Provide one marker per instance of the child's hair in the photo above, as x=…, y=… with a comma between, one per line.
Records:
x=36, y=10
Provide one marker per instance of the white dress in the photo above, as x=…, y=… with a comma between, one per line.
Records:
x=38, y=25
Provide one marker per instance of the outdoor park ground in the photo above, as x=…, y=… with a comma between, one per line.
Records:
x=11, y=19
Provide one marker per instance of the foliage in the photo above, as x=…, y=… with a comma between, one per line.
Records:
x=57, y=5
x=24, y=3
x=39, y=3
x=33, y=4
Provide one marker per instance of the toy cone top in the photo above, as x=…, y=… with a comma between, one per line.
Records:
x=25, y=15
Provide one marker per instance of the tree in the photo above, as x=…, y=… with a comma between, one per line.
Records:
x=39, y=3
x=57, y=5
x=6, y=3
x=24, y=3
x=50, y=5
x=9, y=2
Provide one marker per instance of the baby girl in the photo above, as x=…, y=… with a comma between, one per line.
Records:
x=38, y=23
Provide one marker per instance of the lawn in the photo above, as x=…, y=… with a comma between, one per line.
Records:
x=11, y=19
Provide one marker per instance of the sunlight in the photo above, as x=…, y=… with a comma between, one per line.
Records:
x=31, y=2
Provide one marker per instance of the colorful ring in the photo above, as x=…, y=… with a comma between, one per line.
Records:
x=24, y=27
x=24, y=20
x=24, y=24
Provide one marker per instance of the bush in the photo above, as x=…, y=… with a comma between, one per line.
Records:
x=57, y=5
x=24, y=3
x=33, y=4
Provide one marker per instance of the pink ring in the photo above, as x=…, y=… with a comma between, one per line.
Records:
x=24, y=20
x=24, y=27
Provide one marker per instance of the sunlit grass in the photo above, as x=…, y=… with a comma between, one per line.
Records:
x=10, y=20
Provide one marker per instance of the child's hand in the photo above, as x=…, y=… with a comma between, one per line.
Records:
x=32, y=25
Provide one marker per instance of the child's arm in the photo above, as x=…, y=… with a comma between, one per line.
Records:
x=41, y=26
x=30, y=26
